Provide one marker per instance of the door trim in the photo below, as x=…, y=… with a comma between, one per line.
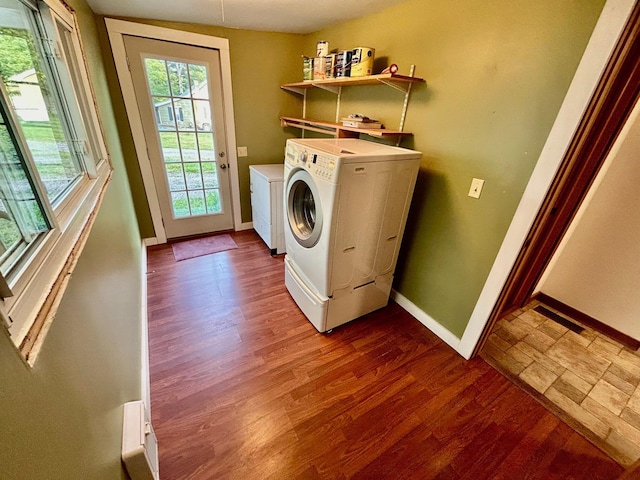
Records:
x=116, y=30
x=602, y=44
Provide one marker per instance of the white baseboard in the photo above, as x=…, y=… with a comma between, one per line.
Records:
x=445, y=335
x=244, y=226
x=145, y=374
x=147, y=242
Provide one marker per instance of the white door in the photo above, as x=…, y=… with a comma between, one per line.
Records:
x=179, y=95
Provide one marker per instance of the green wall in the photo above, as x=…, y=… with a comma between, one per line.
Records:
x=62, y=420
x=497, y=72
x=260, y=63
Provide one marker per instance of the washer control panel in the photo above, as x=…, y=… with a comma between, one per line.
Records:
x=317, y=163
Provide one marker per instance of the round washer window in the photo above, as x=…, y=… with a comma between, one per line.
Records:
x=303, y=208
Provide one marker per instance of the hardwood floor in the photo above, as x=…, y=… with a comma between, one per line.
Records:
x=243, y=386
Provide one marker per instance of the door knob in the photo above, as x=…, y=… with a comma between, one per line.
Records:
x=223, y=166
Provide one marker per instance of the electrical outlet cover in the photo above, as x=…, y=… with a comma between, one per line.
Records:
x=476, y=187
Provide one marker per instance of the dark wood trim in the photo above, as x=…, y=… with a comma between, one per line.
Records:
x=606, y=114
x=587, y=320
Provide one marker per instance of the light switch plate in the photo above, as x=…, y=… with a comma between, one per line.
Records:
x=476, y=187
x=242, y=151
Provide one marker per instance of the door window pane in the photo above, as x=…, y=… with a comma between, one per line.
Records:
x=213, y=201
x=157, y=76
x=205, y=143
x=184, y=114
x=202, y=115
x=189, y=147
x=209, y=175
x=180, y=204
x=164, y=114
x=193, y=176
x=182, y=110
x=175, y=177
x=302, y=216
x=198, y=75
x=196, y=202
x=179, y=79
x=169, y=146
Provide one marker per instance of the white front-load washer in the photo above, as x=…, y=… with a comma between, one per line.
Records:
x=346, y=204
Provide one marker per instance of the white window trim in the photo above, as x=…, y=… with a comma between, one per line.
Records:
x=92, y=114
x=117, y=29
x=62, y=11
x=40, y=284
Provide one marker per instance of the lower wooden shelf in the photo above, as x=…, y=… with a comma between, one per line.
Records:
x=337, y=130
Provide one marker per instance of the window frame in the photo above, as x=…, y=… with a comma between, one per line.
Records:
x=41, y=278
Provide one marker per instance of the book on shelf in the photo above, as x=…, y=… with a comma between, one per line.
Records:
x=361, y=123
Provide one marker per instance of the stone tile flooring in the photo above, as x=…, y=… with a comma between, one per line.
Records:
x=587, y=379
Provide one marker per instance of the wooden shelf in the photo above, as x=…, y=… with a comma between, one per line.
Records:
x=400, y=82
x=337, y=130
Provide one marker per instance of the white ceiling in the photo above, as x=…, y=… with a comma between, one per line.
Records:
x=294, y=16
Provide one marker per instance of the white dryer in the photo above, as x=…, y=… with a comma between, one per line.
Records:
x=346, y=204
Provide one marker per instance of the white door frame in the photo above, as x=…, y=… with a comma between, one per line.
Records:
x=117, y=29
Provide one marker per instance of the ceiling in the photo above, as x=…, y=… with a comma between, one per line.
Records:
x=293, y=16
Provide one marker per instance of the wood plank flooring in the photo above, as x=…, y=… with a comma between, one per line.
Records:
x=242, y=386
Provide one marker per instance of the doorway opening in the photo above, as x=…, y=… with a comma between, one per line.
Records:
x=193, y=152
x=584, y=376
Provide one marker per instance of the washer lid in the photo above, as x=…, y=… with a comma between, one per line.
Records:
x=355, y=148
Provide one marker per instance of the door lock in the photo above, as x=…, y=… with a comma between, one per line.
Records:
x=221, y=154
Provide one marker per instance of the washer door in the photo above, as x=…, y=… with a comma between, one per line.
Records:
x=304, y=210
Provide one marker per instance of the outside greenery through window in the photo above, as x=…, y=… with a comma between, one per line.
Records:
x=31, y=92
x=51, y=177
x=30, y=89
x=180, y=95
x=21, y=215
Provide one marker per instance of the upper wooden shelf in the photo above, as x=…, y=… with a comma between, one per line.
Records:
x=400, y=82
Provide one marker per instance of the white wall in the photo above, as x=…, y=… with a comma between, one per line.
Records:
x=597, y=267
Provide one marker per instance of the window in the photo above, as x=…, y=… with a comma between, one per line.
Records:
x=52, y=168
x=22, y=216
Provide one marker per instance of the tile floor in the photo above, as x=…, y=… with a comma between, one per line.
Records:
x=587, y=379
